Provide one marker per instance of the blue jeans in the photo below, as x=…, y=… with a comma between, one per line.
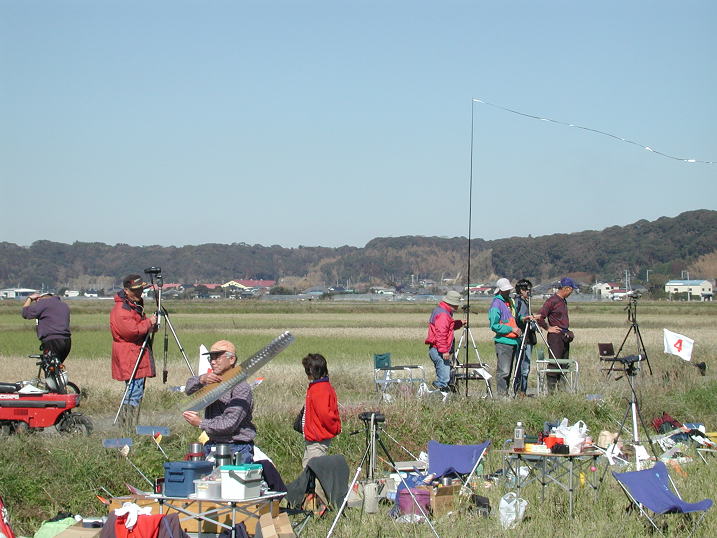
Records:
x=520, y=383
x=243, y=452
x=443, y=367
x=135, y=392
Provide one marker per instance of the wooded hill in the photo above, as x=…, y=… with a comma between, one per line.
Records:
x=664, y=246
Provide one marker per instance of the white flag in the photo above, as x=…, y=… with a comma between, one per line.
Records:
x=678, y=344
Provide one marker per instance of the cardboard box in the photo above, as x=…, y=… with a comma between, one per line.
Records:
x=274, y=527
x=78, y=531
x=444, y=499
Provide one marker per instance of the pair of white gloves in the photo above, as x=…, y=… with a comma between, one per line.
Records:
x=132, y=511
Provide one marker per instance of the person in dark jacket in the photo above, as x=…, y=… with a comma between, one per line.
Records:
x=129, y=327
x=553, y=317
x=229, y=419
x=320, y=421
x=53, y=323
x=523, y=316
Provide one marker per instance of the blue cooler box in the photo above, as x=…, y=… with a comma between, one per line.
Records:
x=179, y=476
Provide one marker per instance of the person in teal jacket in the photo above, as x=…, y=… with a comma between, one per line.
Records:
x=501, y=319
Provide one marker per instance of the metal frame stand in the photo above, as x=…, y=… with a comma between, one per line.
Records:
x=456, y=364
x=373, y=430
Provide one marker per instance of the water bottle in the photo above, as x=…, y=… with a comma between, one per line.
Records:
x=519, y=437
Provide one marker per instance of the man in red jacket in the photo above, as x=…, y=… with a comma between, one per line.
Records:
x=440, y=337
x=129, y=327
x=320, y=421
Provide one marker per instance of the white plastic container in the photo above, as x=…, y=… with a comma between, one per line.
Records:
x=208, y=489
x=241, y=481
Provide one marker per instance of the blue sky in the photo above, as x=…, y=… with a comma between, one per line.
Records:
x=333, y=122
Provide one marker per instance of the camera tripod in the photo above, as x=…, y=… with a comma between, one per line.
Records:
x=479, y=367
x=631, y=310
x=372, y=424
x=530, y=326
x=630, y=368
x=161, y=312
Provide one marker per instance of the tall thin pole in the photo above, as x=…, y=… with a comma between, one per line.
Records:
x=470, y=222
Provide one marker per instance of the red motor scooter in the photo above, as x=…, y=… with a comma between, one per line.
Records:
x=41, y=403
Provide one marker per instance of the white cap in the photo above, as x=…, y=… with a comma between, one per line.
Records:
x=503, y=284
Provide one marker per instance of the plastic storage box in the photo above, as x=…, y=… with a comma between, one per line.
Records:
x=179, y=476
x=241, y=481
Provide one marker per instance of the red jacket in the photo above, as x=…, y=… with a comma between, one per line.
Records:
x=321, y=412
x=440, y=328
x=129, y=326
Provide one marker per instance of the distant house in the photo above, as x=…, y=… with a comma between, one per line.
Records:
x=383, y=291
x=702, y=288
x=16, y=293
x=604, y=290
x=249, y=283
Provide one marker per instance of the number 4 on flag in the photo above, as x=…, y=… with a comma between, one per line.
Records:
x=678, y=344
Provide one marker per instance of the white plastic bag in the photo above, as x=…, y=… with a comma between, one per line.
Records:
x=511, y=510
x=573, y=436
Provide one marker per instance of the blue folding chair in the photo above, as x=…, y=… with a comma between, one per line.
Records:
x=455, y=459
x=649, y=489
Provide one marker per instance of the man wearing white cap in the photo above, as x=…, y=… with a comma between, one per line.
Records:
x=440, y=337
x=501, y=318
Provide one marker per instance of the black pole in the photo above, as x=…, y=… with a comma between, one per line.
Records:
x=470, y=222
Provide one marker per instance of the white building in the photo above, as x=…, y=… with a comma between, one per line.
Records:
x=16, y=293
x=702, y=288
x=603, y=290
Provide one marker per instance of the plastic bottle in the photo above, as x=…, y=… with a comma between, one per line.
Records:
x=519, y=437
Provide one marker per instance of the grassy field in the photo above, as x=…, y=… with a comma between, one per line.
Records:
x=43, y=474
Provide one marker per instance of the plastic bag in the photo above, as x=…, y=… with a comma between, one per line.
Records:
x=511, y=510
x=573, y=436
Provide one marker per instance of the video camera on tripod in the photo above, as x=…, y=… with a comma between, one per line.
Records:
x=629, y=363
x=367, y=416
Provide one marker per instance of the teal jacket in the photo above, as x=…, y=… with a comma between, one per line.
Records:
x=501, y=320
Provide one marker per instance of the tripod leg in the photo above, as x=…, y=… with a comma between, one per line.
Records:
x=176, y=339
x=488, y=390
x=403, y=480
x=132, y=377
x=641, y=347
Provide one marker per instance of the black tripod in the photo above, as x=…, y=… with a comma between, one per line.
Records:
x=372, y=424
x=630, y=368
x=631, y=310
x=530, y=328
x=161, y=312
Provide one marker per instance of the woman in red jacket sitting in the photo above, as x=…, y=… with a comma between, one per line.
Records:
x=320, y=421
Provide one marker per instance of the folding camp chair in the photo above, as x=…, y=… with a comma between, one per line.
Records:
x=385, y=375
x=544, y=366
x=649, y=489
x=455, y=459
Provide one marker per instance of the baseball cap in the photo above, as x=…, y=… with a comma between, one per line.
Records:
x=568, y=282
x=452, y=298
x=503, y=284
x=134, y=282
x=222, y=346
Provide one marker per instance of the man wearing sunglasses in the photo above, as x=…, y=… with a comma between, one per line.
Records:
x=229, y=419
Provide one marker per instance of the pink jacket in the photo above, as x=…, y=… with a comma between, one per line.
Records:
x=440, y=328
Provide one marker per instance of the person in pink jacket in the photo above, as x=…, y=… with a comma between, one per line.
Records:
x=440, y=337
